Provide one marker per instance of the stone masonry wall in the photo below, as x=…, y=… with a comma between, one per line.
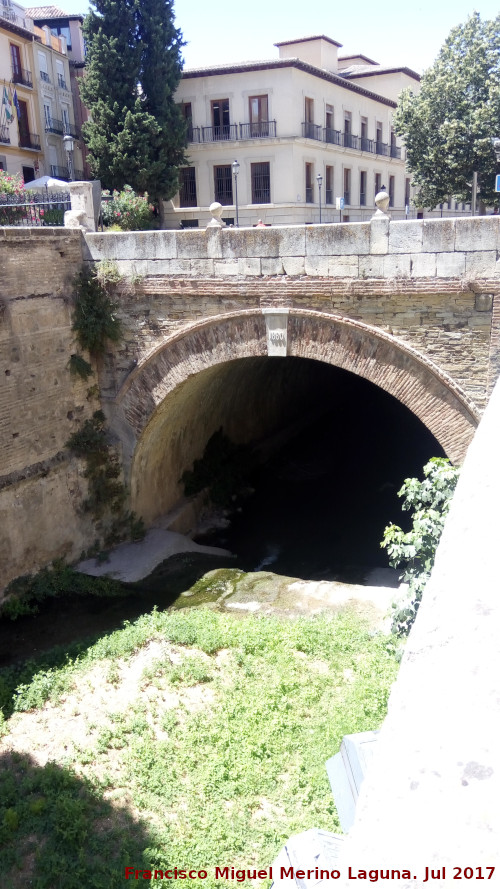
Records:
x=41, y=486
x=430, y=283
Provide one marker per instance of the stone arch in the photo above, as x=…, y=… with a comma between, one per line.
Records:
x=210, y=349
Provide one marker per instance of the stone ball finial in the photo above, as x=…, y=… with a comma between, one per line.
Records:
x=382, y=203
x=216, y=211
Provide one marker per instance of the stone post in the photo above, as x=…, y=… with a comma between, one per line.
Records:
x=81, y=214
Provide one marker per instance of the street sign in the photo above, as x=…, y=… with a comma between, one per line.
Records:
x=497, y=183
x=339, y=203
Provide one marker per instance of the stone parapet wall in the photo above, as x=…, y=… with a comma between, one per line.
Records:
x=41, y=487
x=430, y=283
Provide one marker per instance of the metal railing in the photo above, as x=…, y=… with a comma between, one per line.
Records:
x=59, y=172
x=4, y=134
x=30, y=140
x=227, y=132
x=347, y=197
x=333, y=137
x=309, y=194
x=329, y=196
x=22, y=76
x=71, y=130
x=44, y=76
x=261, y=129
x=9, y=15
x=33, y=209
x=311, y=130
x=61, y=82
x=79, y=175
x=52, y=125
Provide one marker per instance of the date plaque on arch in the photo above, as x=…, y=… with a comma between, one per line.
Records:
x=277, y=331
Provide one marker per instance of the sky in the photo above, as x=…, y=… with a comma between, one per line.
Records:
x=389, y=32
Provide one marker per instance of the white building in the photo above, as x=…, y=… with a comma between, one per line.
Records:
x=288, y=121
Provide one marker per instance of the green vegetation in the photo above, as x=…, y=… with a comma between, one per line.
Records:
x=218, y=756
x=449, y=125
x=127, y=211
x=415, y=550
x=222, y=469
x=94, y=320
x=24, y=594
x=78, y=367
x=136, y=133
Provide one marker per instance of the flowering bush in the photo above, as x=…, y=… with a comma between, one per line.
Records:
x=127, y=210
x=10, y=186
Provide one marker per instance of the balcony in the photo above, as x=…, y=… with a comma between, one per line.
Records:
x=59, y=172
x=395, y=151
x=4, y=134
x=333, y=137
x=30, y=140
x=309, y=194
x=79, y=175
x=15, y=15
x=61, y=82
x=311, y=131
x=71, y=130
x=262, y=129
x=350, y=141
x=44, y=76
x=226, y=133
x=347, y=198
x=21, y=76
x=54, y=126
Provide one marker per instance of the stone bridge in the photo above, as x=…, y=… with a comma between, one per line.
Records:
x=414, y=307
x=240, y=328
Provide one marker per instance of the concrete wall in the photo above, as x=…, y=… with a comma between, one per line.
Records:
x=430, y=798
x=41, y=488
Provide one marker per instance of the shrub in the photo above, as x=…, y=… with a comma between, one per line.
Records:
x=415, y=550
x=128, y=210
x=94, y=321
x=10, y=186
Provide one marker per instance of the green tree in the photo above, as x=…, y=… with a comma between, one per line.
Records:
x=415, y=550
x=136, y=135
x=449, y=125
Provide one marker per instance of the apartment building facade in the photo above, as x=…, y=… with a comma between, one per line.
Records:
x=34, y=63
x=306, y=129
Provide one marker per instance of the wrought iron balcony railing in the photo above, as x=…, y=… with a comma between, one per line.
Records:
x=59, y=172
x=30, y=140
x=61, y=82
x=311, y=130
x=52, y=125
x=4, y=134
x=227, y=132
x=333, y=137
x=44, y=76
x=262, y=129
x=22, y=76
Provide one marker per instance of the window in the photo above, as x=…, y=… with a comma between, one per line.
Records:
x=62, y=31
x=187, y=190
x=329, y=117
x=220, y=119
x=47, y=113
x=347, y=186
x=259, y=116
x=309, y=184
x=407, y=192
x=380, y=134
x=378, y=183
x=309, y=128
x=261, y=183
x=3, y=163
x=223, y=184
x=28, y=174
x=15, y=57
x=189, y=223
x=187, y=114
x=391, y=191
x=24, y=126
x=65, y=118
x=364, y=134
x=362, y=188
x=328, y=185
x=348, y=138
x=42, y=64
x=61, y=79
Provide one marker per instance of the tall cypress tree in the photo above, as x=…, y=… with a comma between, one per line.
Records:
x=136, y=135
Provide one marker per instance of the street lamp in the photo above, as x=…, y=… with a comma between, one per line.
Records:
x=319, y=180
x=69, y=144
x=236, y=170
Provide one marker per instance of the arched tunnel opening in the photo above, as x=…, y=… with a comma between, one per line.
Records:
x=334, y=450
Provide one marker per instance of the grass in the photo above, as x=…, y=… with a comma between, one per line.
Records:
x=217, y=760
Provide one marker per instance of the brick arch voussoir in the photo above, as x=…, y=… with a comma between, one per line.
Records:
x=366, y=351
